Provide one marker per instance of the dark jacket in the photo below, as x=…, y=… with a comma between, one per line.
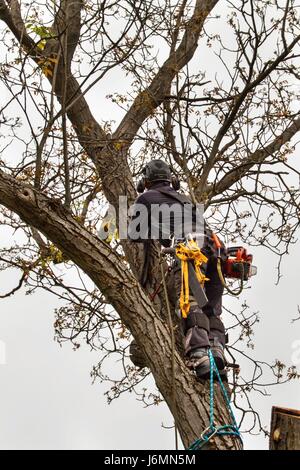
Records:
x=213, y=287
x=163, y=217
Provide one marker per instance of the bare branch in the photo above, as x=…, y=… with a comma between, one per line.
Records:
x=13, y=20
x=154, y=95
x=255, y=158
x=232, y=113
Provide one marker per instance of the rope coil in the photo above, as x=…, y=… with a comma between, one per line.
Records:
x=212, y=430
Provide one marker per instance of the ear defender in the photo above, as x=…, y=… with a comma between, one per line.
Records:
x=175, y=182
x=140, y=187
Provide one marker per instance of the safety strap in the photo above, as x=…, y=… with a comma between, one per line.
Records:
x=188, y=253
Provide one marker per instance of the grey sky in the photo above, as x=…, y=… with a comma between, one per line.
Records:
x=46, y=397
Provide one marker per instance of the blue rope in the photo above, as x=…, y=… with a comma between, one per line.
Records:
x=227, y=429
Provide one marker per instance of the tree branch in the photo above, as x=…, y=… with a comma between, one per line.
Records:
x=67, y=21
x=150, y=98
x=233, y=110
x=257, y=157
x=13, y=20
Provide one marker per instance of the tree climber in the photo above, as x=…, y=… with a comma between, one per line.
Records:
x=162, y=213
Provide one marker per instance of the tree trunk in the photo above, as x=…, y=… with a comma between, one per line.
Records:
x=285, y=429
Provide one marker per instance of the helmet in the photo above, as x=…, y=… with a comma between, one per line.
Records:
x=156, y=170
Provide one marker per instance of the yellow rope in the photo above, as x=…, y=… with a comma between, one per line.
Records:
x=186, y=253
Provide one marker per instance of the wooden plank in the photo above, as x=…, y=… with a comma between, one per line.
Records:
x=287, y=411
x=285, y=429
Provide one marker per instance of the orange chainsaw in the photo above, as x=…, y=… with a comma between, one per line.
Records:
x=239, y=264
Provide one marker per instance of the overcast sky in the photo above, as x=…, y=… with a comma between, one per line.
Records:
x=47, y=400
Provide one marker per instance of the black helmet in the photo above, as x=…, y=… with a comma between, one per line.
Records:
x=157, y=170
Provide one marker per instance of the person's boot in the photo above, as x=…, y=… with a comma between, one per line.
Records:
x=200, y=360
x=217, y=350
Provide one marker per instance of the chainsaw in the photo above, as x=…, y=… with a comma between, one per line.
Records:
x=238, y=265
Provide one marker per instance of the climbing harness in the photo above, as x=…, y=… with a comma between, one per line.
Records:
x=212, y=430
x=192, y=278
x=187, y=252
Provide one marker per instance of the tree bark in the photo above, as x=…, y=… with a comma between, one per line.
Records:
x=285, y=429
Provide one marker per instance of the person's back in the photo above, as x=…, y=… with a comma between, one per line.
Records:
x=161, y=213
